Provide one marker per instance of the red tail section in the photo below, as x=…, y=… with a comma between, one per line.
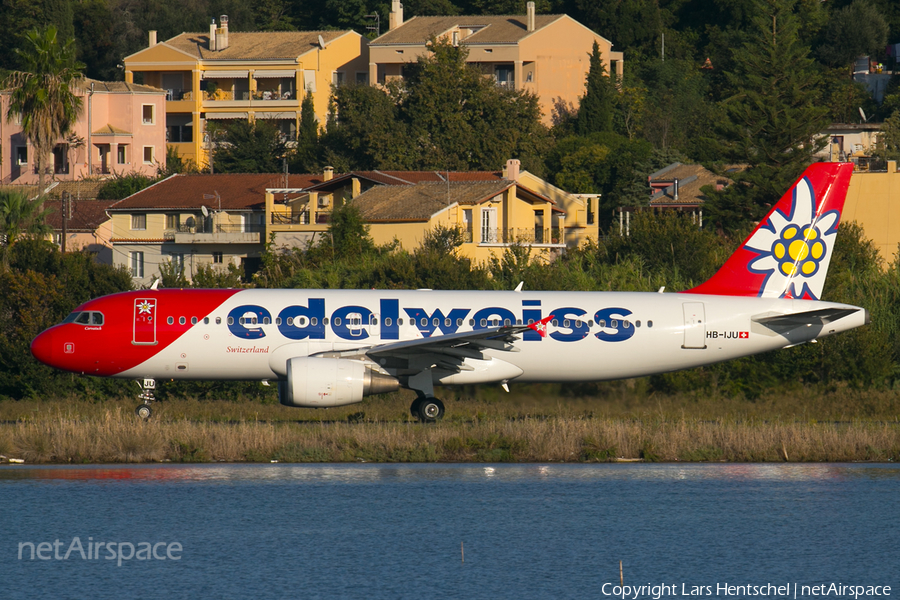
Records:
x=788, y=253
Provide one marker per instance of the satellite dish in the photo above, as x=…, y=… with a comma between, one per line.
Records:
x=321, y=43
x=204, y=210
x=862, y=113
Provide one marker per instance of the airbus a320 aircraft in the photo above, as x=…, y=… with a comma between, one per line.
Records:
x=334, y=347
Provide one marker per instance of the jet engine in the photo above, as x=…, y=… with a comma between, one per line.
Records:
x=322, y=382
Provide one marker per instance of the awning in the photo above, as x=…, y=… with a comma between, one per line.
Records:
x=276, y=115
x=273, y=74
x=225, y=74
x=228, y=115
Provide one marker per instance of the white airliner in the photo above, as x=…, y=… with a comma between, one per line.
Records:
x=333, y=347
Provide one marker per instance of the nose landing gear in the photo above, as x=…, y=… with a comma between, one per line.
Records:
x=144, y=411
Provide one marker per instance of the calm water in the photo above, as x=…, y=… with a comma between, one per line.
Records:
x=394, y=531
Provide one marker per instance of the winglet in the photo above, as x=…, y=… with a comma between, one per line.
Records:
x=541, y=326
x=520, y=286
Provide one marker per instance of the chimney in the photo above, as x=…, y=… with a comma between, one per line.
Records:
x=328, y=174
x=530, y=16
x=152, y=38
x=396, y=16
x=511, y=171
x=222, y=34
x=212, y=35
x=676, y=188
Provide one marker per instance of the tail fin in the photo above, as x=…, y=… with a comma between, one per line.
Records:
x=787, y=255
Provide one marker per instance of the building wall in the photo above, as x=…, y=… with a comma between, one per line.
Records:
x=873, y=201
x=122, y=110
x=346, y=54
x=560, y=55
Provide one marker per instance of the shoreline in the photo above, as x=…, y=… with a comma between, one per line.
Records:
x=116, y=436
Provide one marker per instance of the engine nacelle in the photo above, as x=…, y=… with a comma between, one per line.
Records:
x=322, y=382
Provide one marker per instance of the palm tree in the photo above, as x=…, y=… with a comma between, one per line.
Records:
x=19, y=216
x=41, y=93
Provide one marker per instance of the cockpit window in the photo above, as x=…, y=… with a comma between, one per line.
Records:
x=85, y=318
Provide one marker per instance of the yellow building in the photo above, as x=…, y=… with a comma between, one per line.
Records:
x=547, y=55
x=494, y=210
x=873, y=201
x=218, y=76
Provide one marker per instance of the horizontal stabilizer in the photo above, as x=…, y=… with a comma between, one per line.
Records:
x=813, y=317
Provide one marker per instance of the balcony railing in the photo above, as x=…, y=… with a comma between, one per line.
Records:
x=240, y=228
x=521, y=236
x=178, y=94
x=300, y=218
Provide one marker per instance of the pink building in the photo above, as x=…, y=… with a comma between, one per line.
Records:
x=121, y=128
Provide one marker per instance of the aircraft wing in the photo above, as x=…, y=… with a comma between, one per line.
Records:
x=447, y=352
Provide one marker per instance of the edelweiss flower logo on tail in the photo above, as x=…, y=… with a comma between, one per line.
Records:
x=794, y=249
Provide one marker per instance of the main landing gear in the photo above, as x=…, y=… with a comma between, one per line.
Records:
x=144, y=411
x=427, y=409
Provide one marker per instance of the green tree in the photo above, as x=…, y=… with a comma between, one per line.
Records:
x=304, y=159
x=595, y=112
x=460, y=120
x=175, y=163
x=772, y=117
x=348, y=233
x=124, y=185
x=248, y=147
x=41, y=93
x=855, y=30
x=19, y=216
x=888, y=145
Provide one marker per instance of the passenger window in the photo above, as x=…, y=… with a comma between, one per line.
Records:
x=265, y=320
x=84, y=318
x=373, y=320
x=637, y=323
x=325, y=321
x=278, y=320
x=230, y=320
x=387, y=322
x=649, y=323
x=435, y=322
x=206, y=320
x=602, y=322
x=218, y=320
x=555, y=322
x=400, y=321
x=459, y=322
x=566, y=323
x=193, y=320
x=96, y=318
x=506, y=322
x=337, y=321
x=170, y=320
x=424, y=322
x=181, y=321
x=484, y=322
x=315, y=321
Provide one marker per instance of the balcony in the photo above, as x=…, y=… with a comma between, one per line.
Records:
x=526, y=237
x=226, y=233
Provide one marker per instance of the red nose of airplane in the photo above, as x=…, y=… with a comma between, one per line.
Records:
x=42, y=348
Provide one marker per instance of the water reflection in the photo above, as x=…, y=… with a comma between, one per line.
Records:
x=367, y=473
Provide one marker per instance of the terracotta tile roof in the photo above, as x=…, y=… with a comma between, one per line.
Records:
x=419, y=202
x=120, y=87
x=690, y=179
x=110, y=130
x=87, y=215
x=237, y=191
x=83, y=189
x=492, y=29
x=255, y=45
x=410, y=177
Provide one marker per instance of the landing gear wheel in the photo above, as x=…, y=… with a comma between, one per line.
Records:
x=414, y=409
x=143, y=411
x=430, y=410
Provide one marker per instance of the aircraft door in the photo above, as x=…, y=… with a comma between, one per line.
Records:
x=144, y=326
x=694, y=325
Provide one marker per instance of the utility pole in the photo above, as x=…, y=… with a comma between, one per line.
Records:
x=65, y=200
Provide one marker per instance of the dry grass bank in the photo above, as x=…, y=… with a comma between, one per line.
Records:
x=115, y=435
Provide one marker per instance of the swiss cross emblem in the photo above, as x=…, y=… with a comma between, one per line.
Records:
x=69, y=348
x=744, y=335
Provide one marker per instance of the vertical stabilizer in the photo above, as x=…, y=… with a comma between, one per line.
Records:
x=788, y=253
